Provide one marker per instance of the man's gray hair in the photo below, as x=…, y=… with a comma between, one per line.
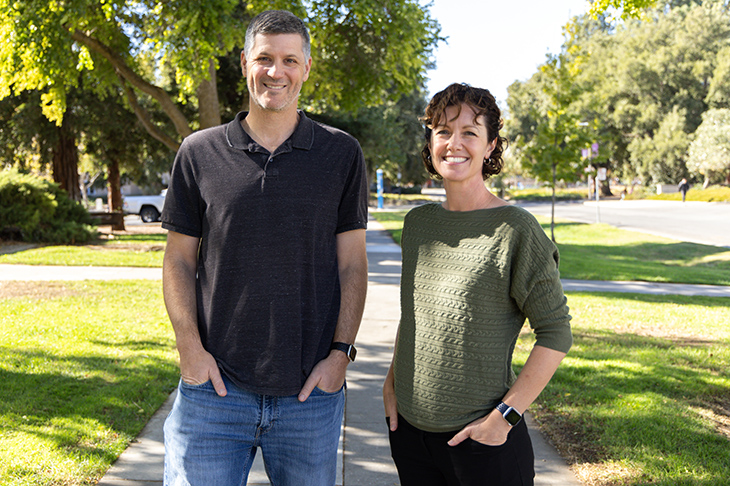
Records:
x=277, y=22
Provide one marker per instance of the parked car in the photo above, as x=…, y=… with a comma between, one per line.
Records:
x=149, y=208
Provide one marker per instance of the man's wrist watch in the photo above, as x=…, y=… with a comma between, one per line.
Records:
x=348, y=349
x=511, y=415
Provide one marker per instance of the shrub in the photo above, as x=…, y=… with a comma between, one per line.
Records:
x=34, y=209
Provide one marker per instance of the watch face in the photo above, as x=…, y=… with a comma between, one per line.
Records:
x=512, y=417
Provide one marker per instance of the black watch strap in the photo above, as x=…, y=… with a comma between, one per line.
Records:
x=511, y=415
x=348, y=349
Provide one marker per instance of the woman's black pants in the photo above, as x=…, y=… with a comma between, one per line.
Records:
x=425, y=459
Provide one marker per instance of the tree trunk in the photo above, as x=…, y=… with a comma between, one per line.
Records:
x=114, y=192
x=66, y=161
x=552, y=211
x=208, y=104
x=606, y=188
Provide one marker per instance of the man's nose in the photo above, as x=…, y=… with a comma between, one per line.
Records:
x=275, y=70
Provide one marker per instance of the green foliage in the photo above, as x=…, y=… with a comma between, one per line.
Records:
x=164, y=49
x=709, y=153
x=390, y=134
x=546, y=130
x=37, y=210
x=642, y=85
x=718, y=93
x=662, y=157
x=367, y=51
x=628, y=8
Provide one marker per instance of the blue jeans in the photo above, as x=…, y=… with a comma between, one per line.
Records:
x=211, y=440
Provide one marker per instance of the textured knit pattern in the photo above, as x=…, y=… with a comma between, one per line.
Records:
x=469, y=281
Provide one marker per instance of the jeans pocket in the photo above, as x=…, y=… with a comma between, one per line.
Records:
x=189, y=386
x=319, y=392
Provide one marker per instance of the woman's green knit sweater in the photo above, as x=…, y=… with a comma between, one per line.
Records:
x=469, y=281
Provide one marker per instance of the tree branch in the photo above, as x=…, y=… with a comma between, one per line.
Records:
x=143, y=117
x=166, y=103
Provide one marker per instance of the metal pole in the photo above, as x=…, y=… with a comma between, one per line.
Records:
x=379, y=172
x=598, y=212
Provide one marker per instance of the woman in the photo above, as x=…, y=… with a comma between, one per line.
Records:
x=474, y=268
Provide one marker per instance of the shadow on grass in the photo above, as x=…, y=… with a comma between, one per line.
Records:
x=635, y=399
x=653, y=262
x=83, y=395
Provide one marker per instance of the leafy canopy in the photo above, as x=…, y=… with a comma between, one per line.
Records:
x=365, y=51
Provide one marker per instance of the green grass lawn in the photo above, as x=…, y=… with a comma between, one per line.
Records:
x=602, y=252
x=83, y=366
x=643, y=397
x=135, y=250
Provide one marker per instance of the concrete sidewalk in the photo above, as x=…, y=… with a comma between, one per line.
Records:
x=364, y=452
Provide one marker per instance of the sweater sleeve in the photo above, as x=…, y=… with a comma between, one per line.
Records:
x=537, y=289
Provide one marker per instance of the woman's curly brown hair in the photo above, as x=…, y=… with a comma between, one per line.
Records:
x=483, y=103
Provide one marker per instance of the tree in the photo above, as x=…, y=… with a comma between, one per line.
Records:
x=355, y=43
x=663, y=156
x=709, y=153
x=628, y=8
x=95, y=127
x=171, y=52
x=718, y=93
x=28, y=139
x=547, y=133
x=641, y=77
x=390, y=134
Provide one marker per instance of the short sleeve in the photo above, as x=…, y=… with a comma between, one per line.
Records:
x=353, y=209
x=183, y=209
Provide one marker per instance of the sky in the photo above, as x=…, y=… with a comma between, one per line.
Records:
x=520, y=33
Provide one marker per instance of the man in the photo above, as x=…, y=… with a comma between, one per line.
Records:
x=264, y=278
x=683, y=188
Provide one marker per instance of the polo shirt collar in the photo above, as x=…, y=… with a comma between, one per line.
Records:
x=302, y=138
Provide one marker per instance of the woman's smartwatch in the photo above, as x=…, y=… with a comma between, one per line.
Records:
x=511, y=415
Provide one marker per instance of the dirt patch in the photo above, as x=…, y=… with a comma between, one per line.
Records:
x=14, y=289
x=582, y=451
x=679, y=337
x=141, y=247
x=718, y=412
x=605, y=474
x=135, y=229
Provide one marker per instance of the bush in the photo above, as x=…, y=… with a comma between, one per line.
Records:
x=695, y=193
x=33, y=209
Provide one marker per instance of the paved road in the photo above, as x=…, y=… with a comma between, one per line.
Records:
x=696, y=222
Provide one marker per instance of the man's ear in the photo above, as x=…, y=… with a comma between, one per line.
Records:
x=307, y=68
x=243, y=63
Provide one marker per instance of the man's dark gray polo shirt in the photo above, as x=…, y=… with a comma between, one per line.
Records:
x=268, y=291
